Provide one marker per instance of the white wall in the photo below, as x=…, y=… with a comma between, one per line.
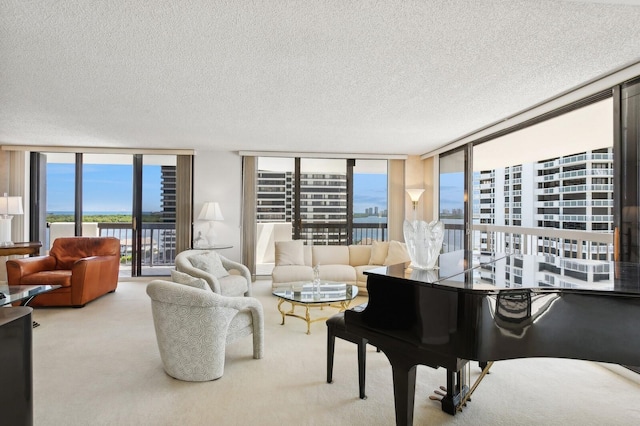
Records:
x=217, y=176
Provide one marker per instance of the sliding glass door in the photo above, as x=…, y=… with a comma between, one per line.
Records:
x=320, y=201
x=452, y=200
x=157, y=214
x=323, y=214
x=130, y=197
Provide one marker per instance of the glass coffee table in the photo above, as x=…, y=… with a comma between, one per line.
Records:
x=336, y=295
x=23, y=294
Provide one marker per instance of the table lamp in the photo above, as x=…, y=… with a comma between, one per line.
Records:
x=211, y=213
x=9, y=206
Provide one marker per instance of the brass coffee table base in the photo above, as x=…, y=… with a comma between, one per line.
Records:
x=343, y=305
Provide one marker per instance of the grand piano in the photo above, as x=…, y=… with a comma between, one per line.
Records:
x=491, y=307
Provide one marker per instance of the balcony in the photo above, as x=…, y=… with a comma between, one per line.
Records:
x=515, y=239
x=336, y=233
x=158, y=248
x=158, y=239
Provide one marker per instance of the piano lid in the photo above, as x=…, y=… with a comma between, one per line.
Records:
x=493, y=272
x=450, y=265
x=550, y=273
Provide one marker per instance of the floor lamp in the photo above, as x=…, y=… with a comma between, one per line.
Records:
x=211, y=213
x=9, y=206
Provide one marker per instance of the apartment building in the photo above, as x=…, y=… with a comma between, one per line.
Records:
x=572, y=192
x=323, y=201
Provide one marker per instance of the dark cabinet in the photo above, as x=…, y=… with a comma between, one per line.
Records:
x=16, y=381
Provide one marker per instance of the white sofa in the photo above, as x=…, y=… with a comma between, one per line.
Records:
x=294, y=261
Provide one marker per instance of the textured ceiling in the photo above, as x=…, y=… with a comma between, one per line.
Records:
x=385, y=77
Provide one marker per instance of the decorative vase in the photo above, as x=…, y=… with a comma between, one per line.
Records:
x=424, y=242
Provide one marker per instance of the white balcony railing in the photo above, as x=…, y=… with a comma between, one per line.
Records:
x=516, y=239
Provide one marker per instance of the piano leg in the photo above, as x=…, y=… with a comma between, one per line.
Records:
x=404, y=387
x=456, y=390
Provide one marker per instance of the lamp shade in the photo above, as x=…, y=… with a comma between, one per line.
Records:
x=210, y=211
x=10, y=205
x=415, y=194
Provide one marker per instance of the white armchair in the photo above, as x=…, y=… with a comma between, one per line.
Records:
x=231, y=279
x=193, y=327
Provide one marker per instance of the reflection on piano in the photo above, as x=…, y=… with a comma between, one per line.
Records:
x=497, y=307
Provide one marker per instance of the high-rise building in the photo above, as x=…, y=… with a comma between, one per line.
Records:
x=323, y=200
x=168, y=193
x=167, y=237
x=274, y=196
x=574, y=192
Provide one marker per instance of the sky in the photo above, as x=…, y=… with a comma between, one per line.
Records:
x=451, y=191
x=369, y=190
x=109, y=188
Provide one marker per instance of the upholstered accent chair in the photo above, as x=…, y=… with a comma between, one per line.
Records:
x=194, y=325
x=85, y=267
x=223, y=275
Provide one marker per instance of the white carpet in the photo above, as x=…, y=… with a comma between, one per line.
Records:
x=99, y=365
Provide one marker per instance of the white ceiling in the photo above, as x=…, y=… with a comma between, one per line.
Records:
x=382, y=77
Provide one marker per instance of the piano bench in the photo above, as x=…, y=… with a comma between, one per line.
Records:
x=336, y=328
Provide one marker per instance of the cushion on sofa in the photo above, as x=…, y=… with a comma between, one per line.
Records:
x=330, y=255
x=338, y=273
x=289, y=252
x=397, y=253
x=291, y=273
x=379, y=250
x=359, y=255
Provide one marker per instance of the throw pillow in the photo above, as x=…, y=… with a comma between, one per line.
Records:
x=379, y=251
x=210, y=262
x=186, y=279
x=289, y=252
x=397, y=253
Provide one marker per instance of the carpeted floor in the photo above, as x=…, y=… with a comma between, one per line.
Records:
x=99, y=365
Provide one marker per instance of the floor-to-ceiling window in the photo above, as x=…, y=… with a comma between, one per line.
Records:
x=321, y=201
x=628, y=172
x=59, y=202
x=128, y=196
x=452, y=199
x=548, y=188
x=370, y=201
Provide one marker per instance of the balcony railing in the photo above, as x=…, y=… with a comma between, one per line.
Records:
x=158, y=241
x=516, y=239
x=336, y=233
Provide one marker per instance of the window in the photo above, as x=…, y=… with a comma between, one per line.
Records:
x=568, y=189
x=323, y=201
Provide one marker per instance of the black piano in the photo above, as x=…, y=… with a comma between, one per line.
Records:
x=491, y=307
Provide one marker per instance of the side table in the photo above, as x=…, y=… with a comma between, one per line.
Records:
x=31, y=248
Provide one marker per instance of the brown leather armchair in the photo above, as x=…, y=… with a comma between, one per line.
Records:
x=85, y=267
